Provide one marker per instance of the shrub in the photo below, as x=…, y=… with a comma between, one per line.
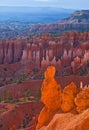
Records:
x=20, y=79
x=38, y=94
x=26, y=94
x=65, y=74
x=1, y=98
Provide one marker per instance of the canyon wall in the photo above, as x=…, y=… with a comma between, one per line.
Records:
x=69, y=53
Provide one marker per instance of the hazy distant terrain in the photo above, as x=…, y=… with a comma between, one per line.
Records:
x=14, y=19
x=78, y=17
x=33, y=14
x=25, y=21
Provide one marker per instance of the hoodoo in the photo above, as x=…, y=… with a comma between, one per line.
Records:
x=51, y=97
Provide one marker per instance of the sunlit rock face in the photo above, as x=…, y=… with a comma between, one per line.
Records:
x=71, y=101
x=69, y=121
x=68, y=96
x=82, y=100
x=51, y=90
x=51, y=97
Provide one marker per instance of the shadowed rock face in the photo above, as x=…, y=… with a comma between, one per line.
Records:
x=69, y=53
x=11, y=51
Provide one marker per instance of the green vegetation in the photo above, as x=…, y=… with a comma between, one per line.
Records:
x=38, y=94
x=4, y=95
x=0, y=98
x=20, y=79
x=25, y=121
x=26, y=95
x=84, y=72
x=7, y=97
x=42, y=76
x=12, y=101
x=65, y=74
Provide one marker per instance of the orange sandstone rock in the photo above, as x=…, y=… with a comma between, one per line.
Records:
x=44, y=117
x=69, y=93
x=82, y=100
x=51, y=90
x=51, y=97
x=69, y=121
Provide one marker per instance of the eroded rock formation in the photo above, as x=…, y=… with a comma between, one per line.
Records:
x=69, y=121
x=69, y=53
x=72, y=99
x=82, y=100
x=68, y=96
x=51, y=97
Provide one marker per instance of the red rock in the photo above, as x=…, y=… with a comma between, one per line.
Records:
x=51, y=90
x=17, y=50
x=14, y=115
x=82, y=100
x=69, y=121
x=51, y=97
x=9, y=56
x=68, y=96
x=1, y=53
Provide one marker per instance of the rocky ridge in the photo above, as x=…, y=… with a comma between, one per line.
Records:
x=78, y=21
x=78, y=17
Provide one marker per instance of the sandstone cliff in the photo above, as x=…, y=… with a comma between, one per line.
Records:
x=69, y=121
